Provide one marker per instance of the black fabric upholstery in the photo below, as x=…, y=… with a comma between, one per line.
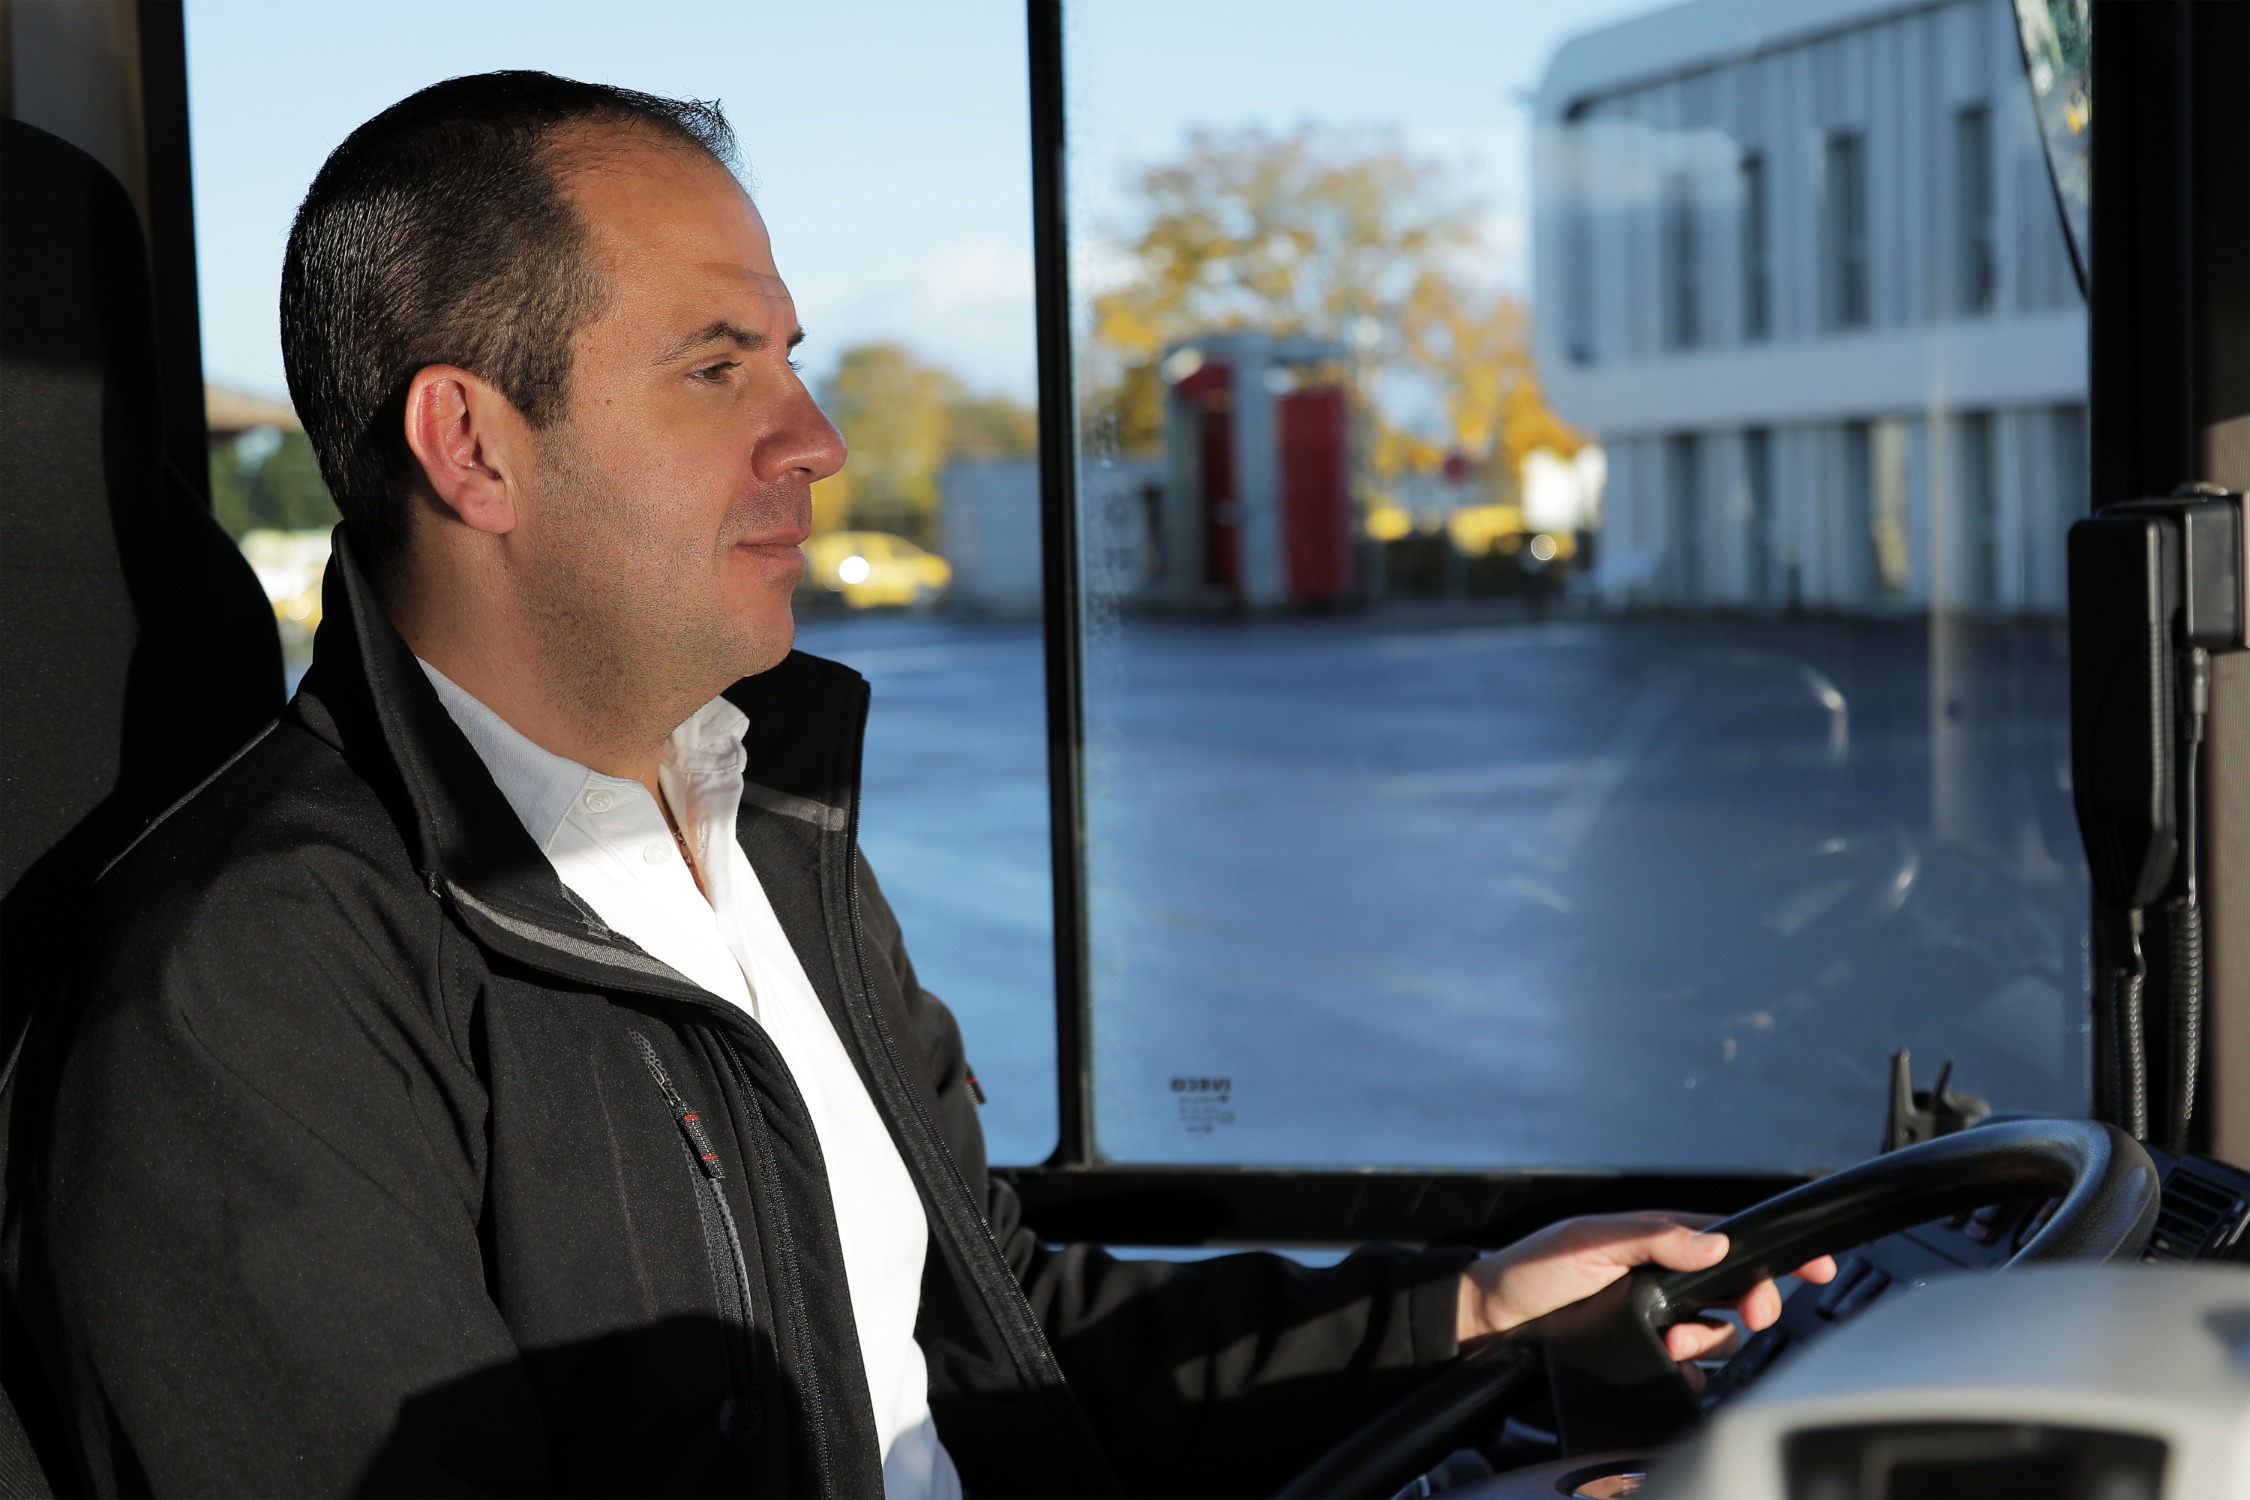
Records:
x=136, y=649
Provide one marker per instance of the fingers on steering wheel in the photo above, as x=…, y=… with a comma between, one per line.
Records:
x=1822, y=1269
x=1760, y=1307
x=1679, y=1247
x=1702, y=1338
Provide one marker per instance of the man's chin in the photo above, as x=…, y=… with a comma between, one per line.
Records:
x=783, y=641
x=763, y=637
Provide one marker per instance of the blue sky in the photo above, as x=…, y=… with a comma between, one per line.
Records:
x=885, y=141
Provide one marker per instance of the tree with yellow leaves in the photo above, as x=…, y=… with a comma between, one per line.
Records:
x=1341, y=236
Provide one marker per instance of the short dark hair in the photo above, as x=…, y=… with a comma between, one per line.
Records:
x=440, y=232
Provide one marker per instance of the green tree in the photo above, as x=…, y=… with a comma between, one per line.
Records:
x=1343, y=236
x=904, y=421
x=269, y=480
x=991, y=427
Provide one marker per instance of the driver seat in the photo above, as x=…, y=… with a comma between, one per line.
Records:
x=137, y=650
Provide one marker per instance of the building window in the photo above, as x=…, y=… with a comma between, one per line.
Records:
x=1684, y=476
x=1980, y=507
x=1864, y=575
x=2070, y=463
x=1756, y=273
x=1972, y=208
x=2049, y=506
x=1757, y=484
x=1578, y=281
x=1844, y=230
x=1683, y=264
x=1889, y=527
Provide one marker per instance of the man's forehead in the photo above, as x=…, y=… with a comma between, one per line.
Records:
x=641, y=194
x=760, y=320
x=677, y=227
x=723, y=277
x=761, y=293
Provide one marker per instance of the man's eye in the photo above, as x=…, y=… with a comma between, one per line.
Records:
x=798, y=365
x=714, y=374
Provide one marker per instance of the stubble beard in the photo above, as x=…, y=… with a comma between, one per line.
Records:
x=631, y=635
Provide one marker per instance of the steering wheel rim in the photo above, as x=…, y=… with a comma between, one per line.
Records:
x=2105, y=1179
x=1607, y=1351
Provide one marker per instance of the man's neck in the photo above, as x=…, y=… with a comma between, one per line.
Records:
x=606, y=720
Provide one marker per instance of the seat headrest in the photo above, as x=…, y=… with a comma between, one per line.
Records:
x=136, y=647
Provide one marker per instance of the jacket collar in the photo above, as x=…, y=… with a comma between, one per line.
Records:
x=803, y=744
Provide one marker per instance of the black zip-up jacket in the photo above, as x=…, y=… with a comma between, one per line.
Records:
x=369, y=1159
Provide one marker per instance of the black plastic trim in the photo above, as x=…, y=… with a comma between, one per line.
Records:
x=1276, y=1206
x=2168, y=403
x=1058, y=531
x=171, y=236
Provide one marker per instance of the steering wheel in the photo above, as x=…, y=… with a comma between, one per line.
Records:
x=1613, y=1383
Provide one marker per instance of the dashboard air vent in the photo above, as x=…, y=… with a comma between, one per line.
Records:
x=2201, y=1215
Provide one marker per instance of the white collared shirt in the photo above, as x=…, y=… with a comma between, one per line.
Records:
x=610, y=844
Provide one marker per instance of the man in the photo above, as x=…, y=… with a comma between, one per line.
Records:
x=505, y=1075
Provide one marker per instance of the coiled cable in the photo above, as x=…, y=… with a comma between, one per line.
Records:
x=2184, y=914
x=2132, y=1038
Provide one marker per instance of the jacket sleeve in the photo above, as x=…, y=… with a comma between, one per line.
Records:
x=1225, y=1375
x=256, y=1219
x=1229, y=1375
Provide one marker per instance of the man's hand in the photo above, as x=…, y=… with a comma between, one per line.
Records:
x=1578, y=1257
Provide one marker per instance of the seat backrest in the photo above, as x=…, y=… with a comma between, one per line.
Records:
x=137, y=650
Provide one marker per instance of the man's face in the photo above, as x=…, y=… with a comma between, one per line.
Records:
x=668, y=504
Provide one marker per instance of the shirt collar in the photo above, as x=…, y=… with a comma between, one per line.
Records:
x=366, y=699
x=539, y=784
x=710, y=742
x=542, y=786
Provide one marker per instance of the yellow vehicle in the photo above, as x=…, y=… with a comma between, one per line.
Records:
x=870, y=569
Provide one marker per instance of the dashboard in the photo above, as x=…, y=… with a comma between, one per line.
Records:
x=2058, y=1381
x=2204, y=1217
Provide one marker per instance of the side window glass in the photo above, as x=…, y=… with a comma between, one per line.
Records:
x=1572, y=514
x=885, y=147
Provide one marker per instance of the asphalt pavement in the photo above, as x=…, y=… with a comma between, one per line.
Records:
x=1380, y=889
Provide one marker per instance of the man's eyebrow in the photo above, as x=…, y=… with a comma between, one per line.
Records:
x=748, y=340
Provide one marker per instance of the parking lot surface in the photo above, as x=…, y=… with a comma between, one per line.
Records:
x=1383, y=889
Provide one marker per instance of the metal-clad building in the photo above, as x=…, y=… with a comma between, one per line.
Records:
x=989, y=534
x=1798, y=264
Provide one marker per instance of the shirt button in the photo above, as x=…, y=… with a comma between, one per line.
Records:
x=601, y=799
x=656, y=853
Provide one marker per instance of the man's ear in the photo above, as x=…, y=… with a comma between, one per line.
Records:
x=468, y=440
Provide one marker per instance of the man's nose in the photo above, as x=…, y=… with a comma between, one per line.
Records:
x=802, y=443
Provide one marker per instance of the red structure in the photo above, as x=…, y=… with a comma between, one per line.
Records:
x=1316, y=493
x=1208, y=395
x=1259, y=510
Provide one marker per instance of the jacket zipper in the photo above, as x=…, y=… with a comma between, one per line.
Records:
x=722, y=1245
x=497, y=929
x=1026, y=1341
x=810, y=1389
x=1035, y=1358
x=882, y=1029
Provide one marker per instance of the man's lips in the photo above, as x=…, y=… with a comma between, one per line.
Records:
x=776, y=555
x=774, y=544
